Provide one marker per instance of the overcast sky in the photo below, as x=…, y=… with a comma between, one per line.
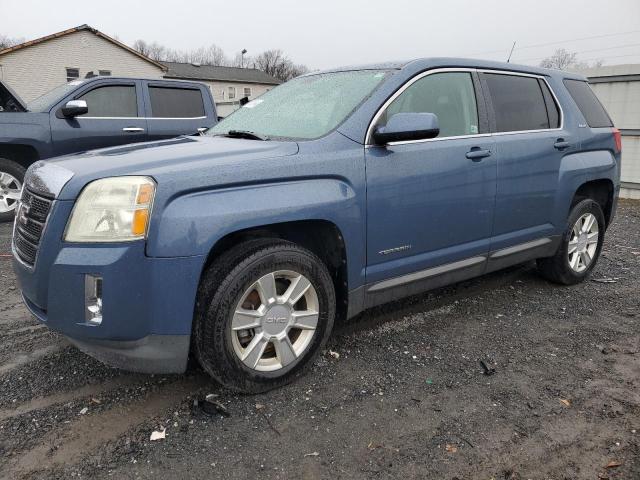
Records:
x=328, y=33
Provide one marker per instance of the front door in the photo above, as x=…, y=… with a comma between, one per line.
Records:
x=430, y=203
x=115, y=117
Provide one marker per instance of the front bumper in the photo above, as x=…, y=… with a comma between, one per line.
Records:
x=147, y=303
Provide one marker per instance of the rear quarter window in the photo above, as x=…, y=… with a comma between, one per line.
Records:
x=591, y=108
x=168, y=102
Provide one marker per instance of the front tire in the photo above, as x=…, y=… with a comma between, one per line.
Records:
x=11, y=180
x=580, y=248
x=264, y=311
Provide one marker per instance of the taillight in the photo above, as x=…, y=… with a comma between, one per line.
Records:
x=617, y=138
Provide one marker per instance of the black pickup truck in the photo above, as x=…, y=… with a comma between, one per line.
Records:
x=93, y=113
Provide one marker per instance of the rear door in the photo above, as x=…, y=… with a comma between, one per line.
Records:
x=174, y=109
x=115, y=117
x=530, y=142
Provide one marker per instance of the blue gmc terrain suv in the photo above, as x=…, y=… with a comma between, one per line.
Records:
x=328, y=195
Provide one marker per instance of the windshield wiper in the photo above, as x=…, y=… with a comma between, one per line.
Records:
x=245, y=134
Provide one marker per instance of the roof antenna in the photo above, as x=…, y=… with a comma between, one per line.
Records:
x=511, y=52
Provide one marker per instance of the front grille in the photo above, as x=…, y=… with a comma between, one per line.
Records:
x=30, y=219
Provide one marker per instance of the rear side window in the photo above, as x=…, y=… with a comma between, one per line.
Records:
x=112, y=101
x=518, y=102
x=593, y=111
x=553, y=112
x=169, y=102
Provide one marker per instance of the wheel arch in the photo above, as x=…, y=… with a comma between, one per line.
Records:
x=24, y=155
x=322, y=237
x=601, y=191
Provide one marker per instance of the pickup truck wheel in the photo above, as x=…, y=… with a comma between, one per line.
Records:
x=11, y=178
x=264, y=311
x=580, y=247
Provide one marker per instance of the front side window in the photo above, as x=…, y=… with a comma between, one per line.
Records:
x=448, y=95
x=176, y=102
x=231, y=93
x=112, y=101
x=303, y=108
x=73, y=74
x=518, y=102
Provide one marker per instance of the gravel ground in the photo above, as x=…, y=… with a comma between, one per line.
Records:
x=407, y=396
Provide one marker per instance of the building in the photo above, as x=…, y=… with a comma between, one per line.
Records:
x=35, y=67
x=228, y=84
x=618, y=88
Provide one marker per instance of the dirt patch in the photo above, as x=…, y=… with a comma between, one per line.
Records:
x=408, y=396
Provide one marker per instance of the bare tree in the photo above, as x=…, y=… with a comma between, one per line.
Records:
x=276, y=64
x=6, y=42
x=564, y=60
x=272, y=62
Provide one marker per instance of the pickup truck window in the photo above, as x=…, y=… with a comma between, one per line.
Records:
x=176, y=102
x=112, y=101
x=304, y=108
x=44, y=102
x=450, y=96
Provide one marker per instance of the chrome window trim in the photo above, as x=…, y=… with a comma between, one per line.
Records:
x=141, y=118
x=400, y=91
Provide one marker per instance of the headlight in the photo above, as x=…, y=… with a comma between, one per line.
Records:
x=113, y=209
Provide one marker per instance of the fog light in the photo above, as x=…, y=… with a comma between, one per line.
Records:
x=92, y=300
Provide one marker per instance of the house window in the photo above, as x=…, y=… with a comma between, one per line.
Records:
x=73, y=74
x=247, y=91
x=231, y=93
x=104, y=73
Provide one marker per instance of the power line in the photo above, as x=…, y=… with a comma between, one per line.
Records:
x=589, y=51
x=558, y=42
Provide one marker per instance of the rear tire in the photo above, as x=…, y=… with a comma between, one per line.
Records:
x=289, y=330
x=580, y=248
x=11, y=181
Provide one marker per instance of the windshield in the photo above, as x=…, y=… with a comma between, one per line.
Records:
x=46, y=101
x=303, y=108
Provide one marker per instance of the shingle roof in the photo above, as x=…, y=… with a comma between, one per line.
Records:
x=79, y=29
x=223, y=74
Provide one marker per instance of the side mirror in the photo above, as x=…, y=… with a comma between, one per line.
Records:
x=74, y=108
x=403, y=127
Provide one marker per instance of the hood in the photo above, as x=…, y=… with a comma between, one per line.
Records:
x=9, y=100
x=183, y=163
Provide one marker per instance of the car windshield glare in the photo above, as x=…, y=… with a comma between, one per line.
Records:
x=304, y=108
x=46, y=101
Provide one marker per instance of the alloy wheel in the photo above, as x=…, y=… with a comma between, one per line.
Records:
x=583, y=242
x=10, y=189
x=275, y=321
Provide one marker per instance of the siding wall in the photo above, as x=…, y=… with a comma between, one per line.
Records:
x=622, y=101
x=35, y=70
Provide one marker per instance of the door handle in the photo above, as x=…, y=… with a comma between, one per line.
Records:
x=476, y=154
x=133, y=129
x=561, y=144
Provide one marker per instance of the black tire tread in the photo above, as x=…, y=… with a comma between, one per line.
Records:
x=556, y=268
x=213, y=295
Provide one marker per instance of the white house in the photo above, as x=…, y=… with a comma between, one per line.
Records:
x=35, y=67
